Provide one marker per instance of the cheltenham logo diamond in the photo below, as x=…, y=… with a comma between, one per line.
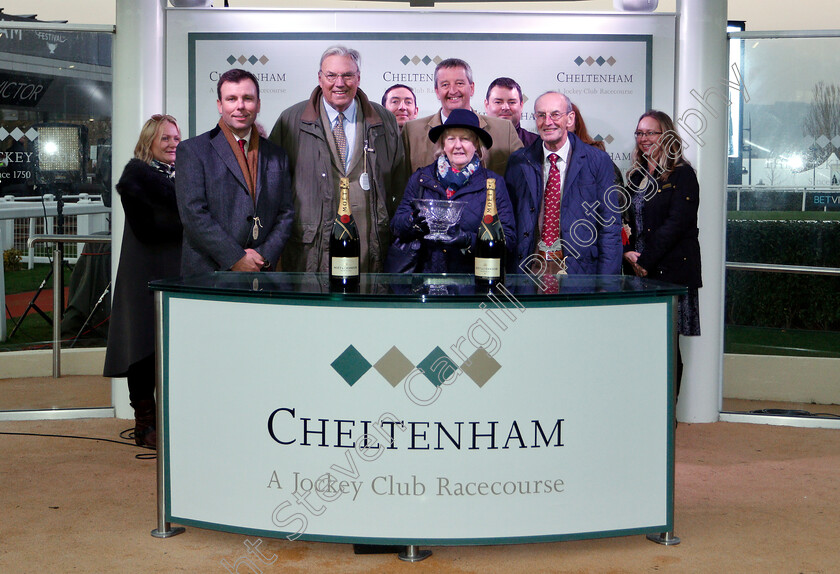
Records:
x=394, y=366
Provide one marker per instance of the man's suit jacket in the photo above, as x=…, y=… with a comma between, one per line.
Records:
x=419, y=148
x=590, y=229
x=216, y=207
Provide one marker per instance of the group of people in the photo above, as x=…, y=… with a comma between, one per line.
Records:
x=237, y=200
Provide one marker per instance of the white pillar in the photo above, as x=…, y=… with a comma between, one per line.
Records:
x=139, y=56
x=701, y=108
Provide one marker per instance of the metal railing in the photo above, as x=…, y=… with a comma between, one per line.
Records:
x=58, y=283
x=774, y=268
x=784, y=198
x=24, y=217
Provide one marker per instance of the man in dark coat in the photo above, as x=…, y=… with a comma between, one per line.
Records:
x=504, y=100
x=588, y=240
x=233, y=187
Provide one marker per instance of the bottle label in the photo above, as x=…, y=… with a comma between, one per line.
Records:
x=344, y=198
x=345, y=266
x=490, y=201
x=488, y=268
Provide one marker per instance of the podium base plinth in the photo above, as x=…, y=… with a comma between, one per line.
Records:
x=414, y=554
x=664, y=538
x=168, y=533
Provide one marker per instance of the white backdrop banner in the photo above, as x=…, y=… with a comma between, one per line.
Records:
x=612, y=75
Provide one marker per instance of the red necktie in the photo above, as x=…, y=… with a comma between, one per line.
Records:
x=242, y=147
x=551, y=215
x=552, y=283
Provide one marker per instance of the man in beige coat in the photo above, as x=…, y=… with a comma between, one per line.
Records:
x=454, y=87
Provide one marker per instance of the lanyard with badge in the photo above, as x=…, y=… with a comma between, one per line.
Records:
x=255, y=231
x=364, y=179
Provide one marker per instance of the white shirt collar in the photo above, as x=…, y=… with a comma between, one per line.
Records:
x=349, y=113
x=563, y=152
x=246, y=138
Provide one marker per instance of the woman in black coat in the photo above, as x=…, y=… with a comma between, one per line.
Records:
x=151, y=249
x=665, y=196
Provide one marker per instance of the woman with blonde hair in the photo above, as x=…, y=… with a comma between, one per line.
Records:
x=151, y=249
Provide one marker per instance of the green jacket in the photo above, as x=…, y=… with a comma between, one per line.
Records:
x=301, y=134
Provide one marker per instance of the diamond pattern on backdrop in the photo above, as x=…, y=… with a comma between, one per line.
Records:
x=394, y=366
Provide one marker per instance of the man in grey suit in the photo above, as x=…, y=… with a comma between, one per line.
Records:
x=233, y=188
x=454, y=87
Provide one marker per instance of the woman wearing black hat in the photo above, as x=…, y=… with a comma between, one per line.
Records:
x=457, y=174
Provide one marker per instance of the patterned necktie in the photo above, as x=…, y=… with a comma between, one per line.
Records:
x=340, y=140
x=551, y=215
x=551, y=282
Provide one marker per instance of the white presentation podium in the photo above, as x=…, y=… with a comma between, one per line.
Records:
x=416, y=411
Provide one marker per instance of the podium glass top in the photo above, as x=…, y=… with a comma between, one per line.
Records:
x=418, y=288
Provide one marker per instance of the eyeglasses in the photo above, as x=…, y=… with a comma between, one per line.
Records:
x=646, y=134
x=348, y=78
x=555, y=115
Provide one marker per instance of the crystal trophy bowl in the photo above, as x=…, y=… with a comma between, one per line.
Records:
x=440, y=214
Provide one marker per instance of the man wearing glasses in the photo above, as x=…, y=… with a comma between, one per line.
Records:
x=564, y=198
x=338, y=132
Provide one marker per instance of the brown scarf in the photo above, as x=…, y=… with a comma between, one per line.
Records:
x=247, y=165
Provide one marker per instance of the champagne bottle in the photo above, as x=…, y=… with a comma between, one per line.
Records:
x=490, y=245
x=344, y=243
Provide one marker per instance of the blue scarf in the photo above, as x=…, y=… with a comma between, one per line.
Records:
x=454, y=179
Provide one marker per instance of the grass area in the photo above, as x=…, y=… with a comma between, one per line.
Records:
x=29, y=279
x=34, y=332
x=786, y=342
x=785, y=215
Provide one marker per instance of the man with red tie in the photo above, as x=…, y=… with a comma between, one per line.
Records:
x=563, y=199
x=233, y=188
